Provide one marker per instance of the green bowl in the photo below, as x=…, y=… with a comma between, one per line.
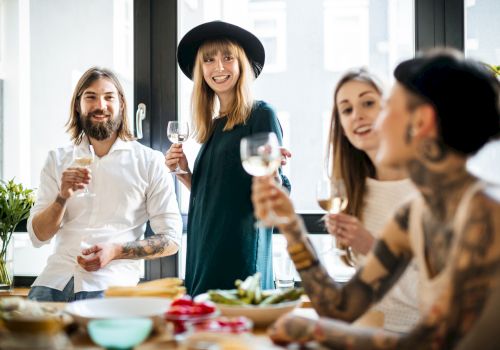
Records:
x=119, y=333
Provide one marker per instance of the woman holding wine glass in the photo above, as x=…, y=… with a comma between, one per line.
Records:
x=373, y=192
x=223, y=242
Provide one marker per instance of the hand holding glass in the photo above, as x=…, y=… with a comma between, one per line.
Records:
x=83, y=157
x=261, y=156
x=332, y=197
x=177, y=132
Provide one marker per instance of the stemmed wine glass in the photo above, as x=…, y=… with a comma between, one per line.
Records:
x=177, y=132
x=332, y=197
x=83, y=157
x=261, y=156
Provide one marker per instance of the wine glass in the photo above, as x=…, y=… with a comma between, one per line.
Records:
x=178, y=132
x=332, y=197
x=83, y=157
x=261, y=156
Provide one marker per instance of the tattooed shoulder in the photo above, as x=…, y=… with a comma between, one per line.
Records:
x=402, y=217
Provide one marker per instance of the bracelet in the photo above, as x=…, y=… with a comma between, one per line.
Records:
x=301, y=256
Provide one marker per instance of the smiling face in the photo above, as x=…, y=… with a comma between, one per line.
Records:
x=221, y=71
x=100, y=109
x=358, y=104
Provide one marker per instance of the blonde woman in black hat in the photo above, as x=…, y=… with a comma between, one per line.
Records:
x=442, y=109
x=222, y=242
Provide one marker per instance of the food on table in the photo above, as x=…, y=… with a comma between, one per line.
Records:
x=248, y=292
x=166, y=287
x=234, y=325
x=19, y=308
x=184, y=311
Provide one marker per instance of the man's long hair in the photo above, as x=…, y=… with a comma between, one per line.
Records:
x=74, y=125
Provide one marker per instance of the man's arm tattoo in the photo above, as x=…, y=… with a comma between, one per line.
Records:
x=149, y=248
x=61, y=201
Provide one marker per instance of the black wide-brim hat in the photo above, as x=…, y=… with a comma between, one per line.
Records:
x=191, y=42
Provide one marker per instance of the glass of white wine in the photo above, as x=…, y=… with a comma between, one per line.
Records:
x=332, y=198
x=83, y=157
x=178, y=132
x=261, y=156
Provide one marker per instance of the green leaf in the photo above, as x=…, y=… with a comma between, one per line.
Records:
x=15, y=204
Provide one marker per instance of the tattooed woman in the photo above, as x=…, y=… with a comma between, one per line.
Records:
x=442, y=109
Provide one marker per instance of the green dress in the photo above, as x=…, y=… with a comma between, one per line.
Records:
x=222, y=243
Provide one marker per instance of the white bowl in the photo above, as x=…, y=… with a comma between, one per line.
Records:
x=260, y=315
x=132, y=307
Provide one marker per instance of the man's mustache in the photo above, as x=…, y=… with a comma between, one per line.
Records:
x=99, y=112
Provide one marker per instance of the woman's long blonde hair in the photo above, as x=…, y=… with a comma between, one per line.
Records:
x=345, y=161
x=204, y=100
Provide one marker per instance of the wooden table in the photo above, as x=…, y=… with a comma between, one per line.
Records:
x=257, y=340
x=20, y=292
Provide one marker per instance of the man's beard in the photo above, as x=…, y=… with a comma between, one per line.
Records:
x=100, y=130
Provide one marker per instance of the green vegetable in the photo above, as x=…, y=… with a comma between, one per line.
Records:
x=249, y=292
x=286, y=295
x=224, y=297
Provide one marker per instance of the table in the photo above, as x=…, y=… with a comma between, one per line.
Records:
x=258, y=339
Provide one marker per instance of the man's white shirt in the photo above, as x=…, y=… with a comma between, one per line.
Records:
x=131, y=186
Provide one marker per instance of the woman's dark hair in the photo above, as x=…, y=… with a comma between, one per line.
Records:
x=463, y=92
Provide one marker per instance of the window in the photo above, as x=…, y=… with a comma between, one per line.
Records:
x=38, y=87
x=308, y=45
x=123, y=38
x=333, y=35
x=268, y=22
x=2, y=38
x=482, y=24
x=346, y=34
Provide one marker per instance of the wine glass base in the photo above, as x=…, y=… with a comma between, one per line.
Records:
x=180, y=171
x=85, y=194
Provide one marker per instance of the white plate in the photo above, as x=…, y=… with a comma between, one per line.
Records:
x=89, y=309
x=260, y=315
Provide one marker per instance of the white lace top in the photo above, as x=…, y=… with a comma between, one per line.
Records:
x=400, y=305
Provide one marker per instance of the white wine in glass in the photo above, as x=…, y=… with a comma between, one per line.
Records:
x=83, y=157
x=261, y=166
x=332, y=198
x=178, y=132
x=261, y=156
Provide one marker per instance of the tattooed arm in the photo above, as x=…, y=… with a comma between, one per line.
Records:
x=99, y=255
x=383, y=268
x=454, y=313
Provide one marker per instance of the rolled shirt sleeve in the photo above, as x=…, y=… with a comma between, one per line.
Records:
x=46, y=194
x=161, y=202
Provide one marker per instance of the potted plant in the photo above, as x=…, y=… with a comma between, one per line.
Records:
x=15, y=204
x=495, y=69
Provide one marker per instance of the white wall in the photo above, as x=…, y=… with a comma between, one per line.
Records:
x=49, y=44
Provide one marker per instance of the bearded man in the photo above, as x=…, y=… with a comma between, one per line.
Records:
x=98, y=237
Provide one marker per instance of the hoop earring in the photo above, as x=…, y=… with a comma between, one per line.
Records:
x=433, y=150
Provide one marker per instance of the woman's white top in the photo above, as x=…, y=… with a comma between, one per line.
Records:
x=400, y=305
